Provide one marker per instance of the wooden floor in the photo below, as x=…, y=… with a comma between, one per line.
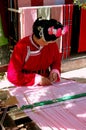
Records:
x=74, y=68
x=74, y=62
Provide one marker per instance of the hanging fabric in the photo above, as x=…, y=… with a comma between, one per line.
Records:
x=75, y=29
x=82, y=35
x=57, y=13
x=27, y=18
x=43, y=12
x=67, y=20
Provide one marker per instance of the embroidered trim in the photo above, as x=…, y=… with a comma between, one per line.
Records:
x=28, y=53
x=32, y=53
x=33, y=43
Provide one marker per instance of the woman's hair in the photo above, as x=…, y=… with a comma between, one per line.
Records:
x=41, y=29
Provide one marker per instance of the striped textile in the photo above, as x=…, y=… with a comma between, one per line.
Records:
x=67, y=20
x=82, y=35
x=69, y=115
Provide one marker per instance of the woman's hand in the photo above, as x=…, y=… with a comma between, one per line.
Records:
x=53, y=77
x=45, y=81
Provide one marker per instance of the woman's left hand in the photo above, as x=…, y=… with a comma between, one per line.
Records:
x=53, y=77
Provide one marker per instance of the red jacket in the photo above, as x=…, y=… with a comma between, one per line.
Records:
x=27, y=59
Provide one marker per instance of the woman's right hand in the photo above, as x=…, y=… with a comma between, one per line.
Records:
x=44, y=81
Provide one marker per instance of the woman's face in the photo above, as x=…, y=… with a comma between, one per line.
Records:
x=41, y=41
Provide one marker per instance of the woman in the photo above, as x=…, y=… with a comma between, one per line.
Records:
x=36, y=59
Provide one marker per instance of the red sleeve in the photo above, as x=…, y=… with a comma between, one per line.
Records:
x=14, y=73
x=56, y=59
x=56, y=65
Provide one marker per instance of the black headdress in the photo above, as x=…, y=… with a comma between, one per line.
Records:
x=50, y=30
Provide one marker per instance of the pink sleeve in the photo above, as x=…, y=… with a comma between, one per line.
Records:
x=58, y=73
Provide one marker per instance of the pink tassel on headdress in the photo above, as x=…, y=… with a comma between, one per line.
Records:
x=65, y=29
x=51, y=30
x=58, y=32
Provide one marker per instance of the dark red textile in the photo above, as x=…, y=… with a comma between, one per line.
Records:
x=67, y=20
x=68, y=1
x=36, y=2
x=82, y=40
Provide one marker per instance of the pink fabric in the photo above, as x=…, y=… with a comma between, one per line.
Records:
x=57, y=13
x=69, y=115
x=27, y=18
x=24, y=3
